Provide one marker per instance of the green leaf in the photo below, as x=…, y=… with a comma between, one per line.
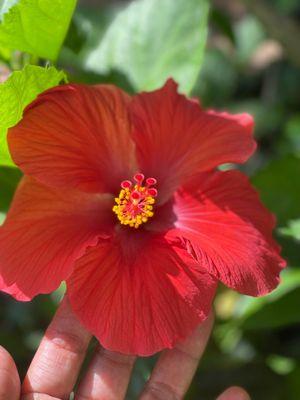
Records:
x=279, y=308
x=5, y=5
x=282, y=312
x=37, y=27
x=5, y=54
x=9, y=179
x=20, y=89
x=281, y=365
x=279, y=186
x=218, y=79
x=290, y=141
x=286, y=6
x=2, y=217
x=292, y=230
x=249, y=34
x=152, y=40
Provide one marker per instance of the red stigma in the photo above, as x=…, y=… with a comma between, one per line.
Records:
x=126, y=184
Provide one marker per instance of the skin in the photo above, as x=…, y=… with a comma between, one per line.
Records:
x=56, y=364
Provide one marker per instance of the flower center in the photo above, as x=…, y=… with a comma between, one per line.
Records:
x=135, y=202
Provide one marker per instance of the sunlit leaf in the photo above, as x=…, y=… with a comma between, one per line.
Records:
x=5, y=5
x=5, y=54
x=281, y=365
x=2, y=217
x=37, y=27
x=20, y=89
x=152, y=40
x=292, y=230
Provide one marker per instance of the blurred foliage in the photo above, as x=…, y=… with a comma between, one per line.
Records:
x=256, y=342
x=176, y=49
x=9, y=179
x=292, y=230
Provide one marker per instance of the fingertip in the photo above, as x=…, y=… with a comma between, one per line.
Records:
x=7, y=363
x=234, y=393
x=4, y=354
x=9, y=377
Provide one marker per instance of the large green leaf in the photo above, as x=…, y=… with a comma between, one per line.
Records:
x=35, y=26
x=20, y=89
x=152, y=40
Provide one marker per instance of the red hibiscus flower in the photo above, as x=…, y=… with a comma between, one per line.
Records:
x=122, y=199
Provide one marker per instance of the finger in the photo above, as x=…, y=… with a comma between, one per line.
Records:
x=175, y=368
x=234, y=393
x=107, y=376
x=56, y=364
x=38, y=396
x=9, y=377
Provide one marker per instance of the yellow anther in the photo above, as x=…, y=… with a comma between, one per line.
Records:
x=132, y=210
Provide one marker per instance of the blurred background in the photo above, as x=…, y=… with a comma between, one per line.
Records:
x=251, y=63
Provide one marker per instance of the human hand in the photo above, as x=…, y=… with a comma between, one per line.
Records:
x=56, y=364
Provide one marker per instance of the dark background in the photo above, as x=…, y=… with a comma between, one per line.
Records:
x=252, y=64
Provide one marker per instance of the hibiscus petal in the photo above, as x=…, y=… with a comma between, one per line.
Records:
x=176, y=138
x=76, y=136
x=46, y=230
x=13, y=290
x=229, y=232
x=142, y=303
